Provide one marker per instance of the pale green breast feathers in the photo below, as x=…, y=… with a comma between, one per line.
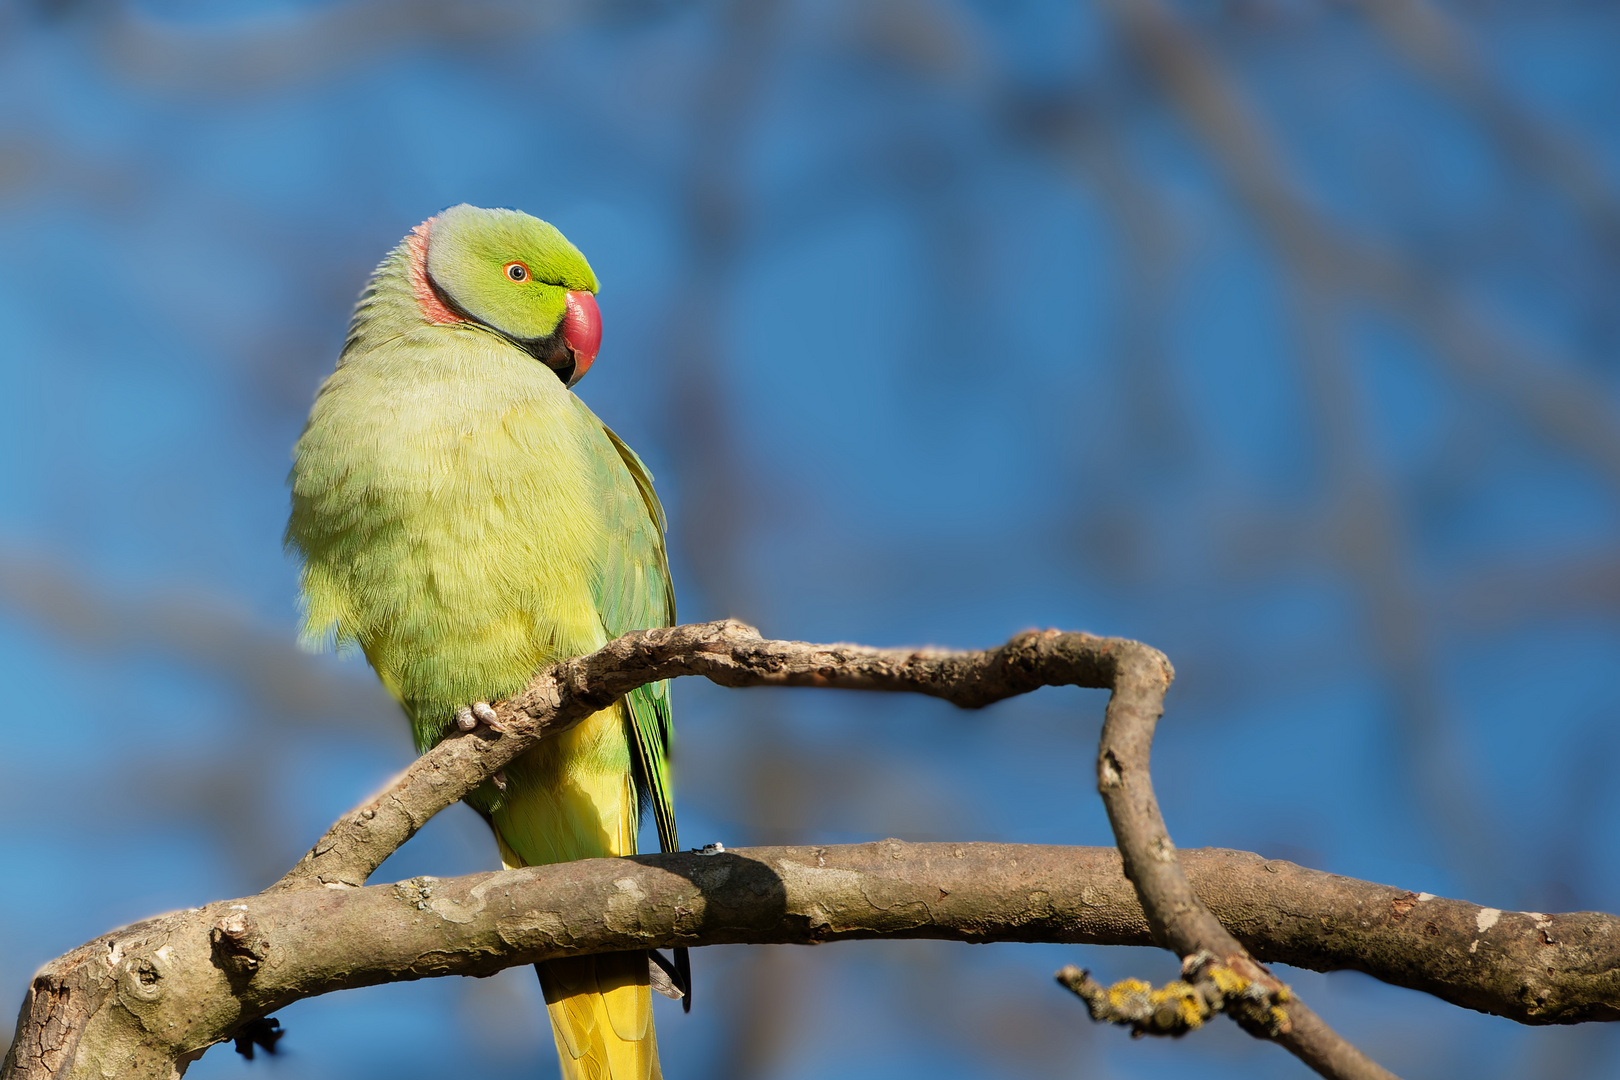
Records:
x=461, y=515
x=452, y=527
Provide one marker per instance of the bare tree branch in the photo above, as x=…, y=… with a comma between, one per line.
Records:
x=1179, y=921
x=259, y=55
x=187, y=623
x=1547, y=388
x=145, y=1001
x=212, y=969
x=725, y=652
x=1438, y=47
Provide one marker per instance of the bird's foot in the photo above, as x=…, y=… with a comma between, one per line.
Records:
x=469, y=717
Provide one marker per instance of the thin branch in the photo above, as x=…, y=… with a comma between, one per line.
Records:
x=183, y=621
x=255, y=56
x=1547, y=388
x=1179, y=920
x=726, y=652
x=1439, y=48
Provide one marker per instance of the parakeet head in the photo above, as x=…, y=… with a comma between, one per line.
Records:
x=511, y=274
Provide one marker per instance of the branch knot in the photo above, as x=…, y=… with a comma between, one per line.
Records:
x=238, y=944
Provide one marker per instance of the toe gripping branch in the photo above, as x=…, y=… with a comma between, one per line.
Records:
x=1206, y=988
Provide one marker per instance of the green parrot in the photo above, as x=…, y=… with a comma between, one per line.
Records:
x=466, y=520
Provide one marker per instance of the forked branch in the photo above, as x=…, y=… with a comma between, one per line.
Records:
x=144, y=1001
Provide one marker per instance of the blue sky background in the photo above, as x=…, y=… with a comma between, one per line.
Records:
x=1280, y=335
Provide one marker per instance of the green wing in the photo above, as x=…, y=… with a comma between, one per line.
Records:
x=633, y=592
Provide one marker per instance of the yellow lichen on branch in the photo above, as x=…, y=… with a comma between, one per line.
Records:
x=1181, y=1005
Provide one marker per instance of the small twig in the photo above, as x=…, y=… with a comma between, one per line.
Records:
x=1178, y=919
x=1181, y=1006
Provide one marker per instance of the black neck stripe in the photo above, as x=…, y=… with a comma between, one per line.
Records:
x=551, y=350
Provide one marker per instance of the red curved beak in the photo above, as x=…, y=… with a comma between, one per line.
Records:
x=582, y=331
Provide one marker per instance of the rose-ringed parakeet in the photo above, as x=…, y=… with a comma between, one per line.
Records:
x=466, y=520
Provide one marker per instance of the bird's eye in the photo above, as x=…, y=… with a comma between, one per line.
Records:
x=517, y=271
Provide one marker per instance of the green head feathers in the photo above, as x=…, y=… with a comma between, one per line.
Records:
x=518, y=276
x=505, y=268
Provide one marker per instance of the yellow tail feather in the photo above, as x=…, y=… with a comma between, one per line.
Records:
x=560, y=807
x=601, y=1016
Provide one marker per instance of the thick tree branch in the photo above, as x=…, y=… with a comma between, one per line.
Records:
x=106, y=1007
x=144, y=1001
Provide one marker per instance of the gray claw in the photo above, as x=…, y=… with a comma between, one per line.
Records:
x=469, y=717
x=661, y=981
x=499, y=779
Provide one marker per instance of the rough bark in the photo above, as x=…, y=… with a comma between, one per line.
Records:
x=144, y=1001
x=141, y=1001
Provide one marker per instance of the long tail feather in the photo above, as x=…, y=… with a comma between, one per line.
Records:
x=600, y=1006
x=601, y=1016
